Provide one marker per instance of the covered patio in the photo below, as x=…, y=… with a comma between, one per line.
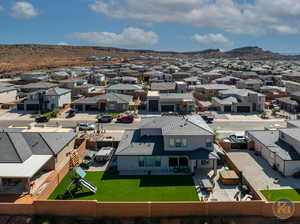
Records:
x=21, y=178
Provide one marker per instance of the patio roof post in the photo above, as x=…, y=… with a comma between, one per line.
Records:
x=192, y=165
x=215, y=167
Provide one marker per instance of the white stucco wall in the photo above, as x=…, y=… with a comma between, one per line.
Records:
x=193, y=142
x=9, y=96
x=64, y=99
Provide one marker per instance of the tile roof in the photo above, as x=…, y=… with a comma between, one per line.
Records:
x=110, y=97
x=17, y=147
x=132, y=144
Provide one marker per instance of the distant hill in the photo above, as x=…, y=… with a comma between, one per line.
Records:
x=25, y=57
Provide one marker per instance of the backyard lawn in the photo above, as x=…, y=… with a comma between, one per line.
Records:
x=112, y=187
x=274, y=195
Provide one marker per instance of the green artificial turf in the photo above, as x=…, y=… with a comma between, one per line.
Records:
x=113, y=187
x=274, y=195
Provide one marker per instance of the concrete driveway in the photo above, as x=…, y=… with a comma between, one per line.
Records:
x=259, y=173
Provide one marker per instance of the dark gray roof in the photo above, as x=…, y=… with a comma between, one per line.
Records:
x=57, y=92
x=132, y=144
x=239, y=92
x=5, y=87
x=162, y=86
x=177, y=125
x=288, y=100
x=17, y=147
x=56, y=141
x=295, y=123
x=226, y=101
x=271, y=140
x=39, y=85
x=175, y=96
x=110, y=97
x=122, y=86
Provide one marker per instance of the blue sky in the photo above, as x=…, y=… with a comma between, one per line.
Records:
x=179, y=25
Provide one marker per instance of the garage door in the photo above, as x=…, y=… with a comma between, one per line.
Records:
x=167, y=108
x=79, y=107
x=20, y=106
x=227, y=108
x=32, y=106
x=244, y=109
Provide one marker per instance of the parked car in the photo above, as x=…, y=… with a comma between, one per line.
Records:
x=42, y=119
x=170, y=113
x=104, y=154
x=125, y=119
x=105, y=119
x=238, y=138
x=208, y=118
x=88, y=160
x=86, y=127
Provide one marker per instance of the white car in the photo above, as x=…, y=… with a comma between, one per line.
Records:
x=86, y=126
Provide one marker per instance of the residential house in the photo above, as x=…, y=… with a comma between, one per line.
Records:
x=252, y=84
x=207, y=91
x=292, y=87
x=34, y=76
x=45, y=100
x=8, y=93
x=110, y=102
x=167, y=102
x=192, y=81
x=280, y=148
x=208, y=77
x=227, y=80
x=128, y=89
x=25, y=156
x=180, y=76
x=163, y=87
x=239, y=100
x=167, y=144
x=32, y=87
x=290, y=103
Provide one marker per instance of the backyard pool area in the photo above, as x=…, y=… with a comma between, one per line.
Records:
x=112, y=187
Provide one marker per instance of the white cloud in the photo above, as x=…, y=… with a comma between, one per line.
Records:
x=23, y=10
x=1, y=8
x=131, y=37
x=62, y=44
x=232, y=16
x=285, y=29
x=213, y=40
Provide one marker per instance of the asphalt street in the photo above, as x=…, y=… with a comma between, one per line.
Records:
x=217, y=125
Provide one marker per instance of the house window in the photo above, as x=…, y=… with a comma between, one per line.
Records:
x=111, y=106
x=149, y=161
x=178, y=142
x=204, y=162
x=141, y=161
x=172, y=142
x=208, y=143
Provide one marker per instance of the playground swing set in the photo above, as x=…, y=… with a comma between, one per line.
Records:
x=78, y=182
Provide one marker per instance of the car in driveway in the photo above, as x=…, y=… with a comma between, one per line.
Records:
x=104, y=154
x=86, y=127
x=105, y=119
x=42, y=119
x=88, y=160
x=125, y=119
x=208, y=118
